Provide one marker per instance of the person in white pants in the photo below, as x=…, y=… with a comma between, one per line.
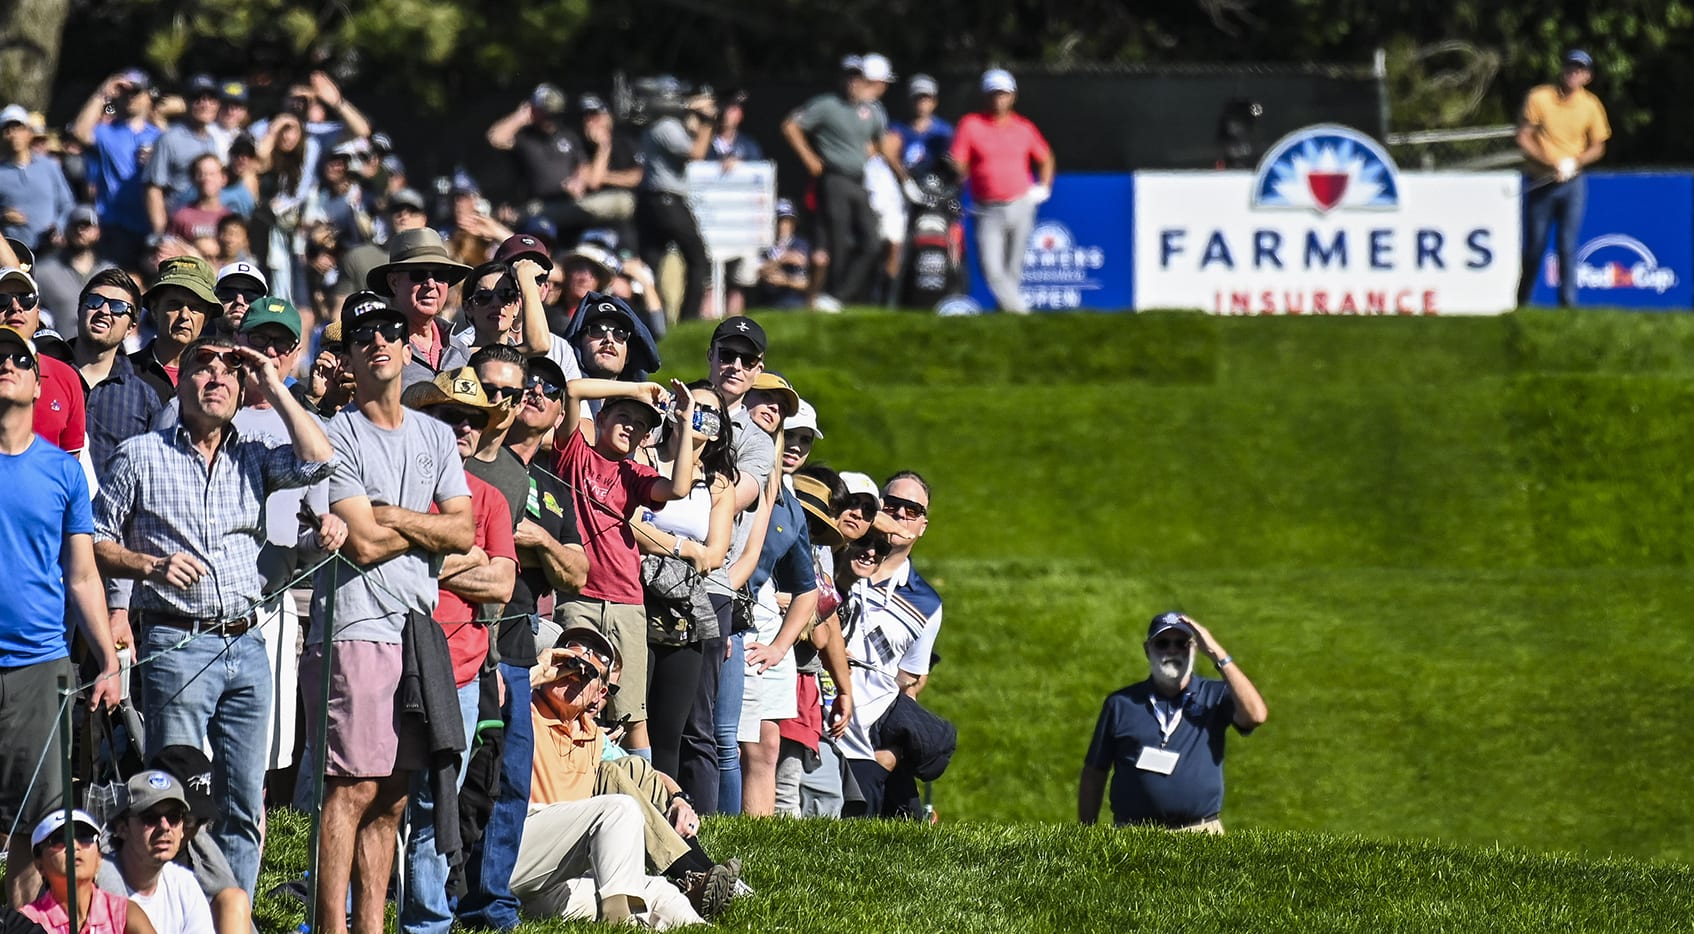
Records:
x=994, y=150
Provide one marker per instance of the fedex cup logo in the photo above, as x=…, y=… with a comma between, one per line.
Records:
x=1616, y=261
x=1326, y=167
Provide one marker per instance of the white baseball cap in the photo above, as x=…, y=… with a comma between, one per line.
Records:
x=14, y=113
x=876, y=67
x=55, y=822
x=922, y=85
x=12, y=272
x=244, y=271
x=858, y=483
x=804, y=417
x=998, y=79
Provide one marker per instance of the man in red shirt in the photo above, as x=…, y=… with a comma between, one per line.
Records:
x=994, y=151
x=606, y=485
x=60, y=412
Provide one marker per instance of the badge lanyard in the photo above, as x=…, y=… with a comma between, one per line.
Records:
x=1167, y=726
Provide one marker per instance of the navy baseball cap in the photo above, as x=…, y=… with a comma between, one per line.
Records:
x=1579, y=57
x=1168, y=621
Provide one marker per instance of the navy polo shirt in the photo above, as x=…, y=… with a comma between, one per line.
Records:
x=1194, y=790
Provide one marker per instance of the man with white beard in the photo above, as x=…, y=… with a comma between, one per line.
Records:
x=1164, y=736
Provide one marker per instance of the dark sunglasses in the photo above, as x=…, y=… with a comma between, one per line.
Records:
x=538, y=382
x=747, y=360
x=84, y=837
x=601, y=329
x=1167, y=645
x=206, y=356
x=871, y=547
x=19, y=359
x=229, y=293
x=426, y=275
x=281, y=343
x=173, y=816
x=24, y=300
x=501, y=297
x=116, y=307
x=503, y=393
x=390, y=331
x=591, y=650
x=454, y=415
x=903, y=508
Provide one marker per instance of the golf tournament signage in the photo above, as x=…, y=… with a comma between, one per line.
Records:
x=1327, y=225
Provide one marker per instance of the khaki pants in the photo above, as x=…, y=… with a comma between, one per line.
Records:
x=600, y=837
x=635, y=777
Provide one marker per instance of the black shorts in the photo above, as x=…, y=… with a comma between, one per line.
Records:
x=29, y=725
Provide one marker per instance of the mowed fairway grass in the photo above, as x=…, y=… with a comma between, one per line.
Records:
x=1452, y=553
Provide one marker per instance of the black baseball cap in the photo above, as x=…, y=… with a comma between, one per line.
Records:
x=740, y=331
x=545, y=368
x=1167, y=621
x=188, y=765
x=364, y=306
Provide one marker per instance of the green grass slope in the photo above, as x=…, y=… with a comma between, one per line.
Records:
x=853, y=877
x=1451, y=552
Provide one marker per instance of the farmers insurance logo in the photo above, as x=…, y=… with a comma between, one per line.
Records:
x=1056, y=269
x=1617, y=261
x=1325, y=167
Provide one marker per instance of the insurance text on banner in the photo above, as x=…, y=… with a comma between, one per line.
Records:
x=1327, y=225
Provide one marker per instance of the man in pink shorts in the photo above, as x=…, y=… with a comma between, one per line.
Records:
x=391, y=464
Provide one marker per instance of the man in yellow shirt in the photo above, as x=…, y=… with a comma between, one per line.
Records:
x=1563, y=131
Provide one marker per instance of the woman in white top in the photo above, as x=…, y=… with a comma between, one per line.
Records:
x=695, y=532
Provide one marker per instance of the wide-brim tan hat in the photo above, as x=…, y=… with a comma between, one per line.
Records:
x=411, y=249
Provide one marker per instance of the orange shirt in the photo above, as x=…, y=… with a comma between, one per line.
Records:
x=567, y=756
x=1566, y=126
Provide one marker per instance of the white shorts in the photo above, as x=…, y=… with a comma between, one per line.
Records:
x=772, y=695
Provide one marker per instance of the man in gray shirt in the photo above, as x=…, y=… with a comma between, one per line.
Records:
x=169, y=171
x=662, y=215
x=835, y=135
x=390, y=466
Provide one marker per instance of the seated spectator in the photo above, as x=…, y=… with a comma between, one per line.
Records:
x=197, y=219
x=146, y=836
x=232, y=910
x=582, y=854
x=784, y=266
x=97, y=911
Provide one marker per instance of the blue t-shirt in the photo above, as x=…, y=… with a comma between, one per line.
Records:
x=787, y=552
x=46, y=502
x=1194, y=789
x=922, y=152
x=120, y=188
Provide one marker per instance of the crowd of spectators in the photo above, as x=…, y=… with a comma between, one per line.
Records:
x=352, y=492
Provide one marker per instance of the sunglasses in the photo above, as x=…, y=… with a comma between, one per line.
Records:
x=428, y=275
x=747, y=360
x=84, y=837
x=537, y=382
x=390, y=331
x=454, y=415
x=903, y=508
x=174, y=817
x=500, y=297
x=1171, y=645
x=206, y=356
x=281, y=343
x=591, y=650
x=24, y=300
x=867, y=548
x=19, y=359
x=601, y=329
x=503, y=393
x=115, y=307
x=229, y=293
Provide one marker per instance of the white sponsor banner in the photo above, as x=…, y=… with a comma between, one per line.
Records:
x=1328, y=225
x=736, y=207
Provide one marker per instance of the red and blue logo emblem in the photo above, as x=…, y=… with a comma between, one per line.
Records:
x=1325, y=168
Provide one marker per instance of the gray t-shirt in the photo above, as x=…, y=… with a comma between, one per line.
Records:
x=842, y=131
x=172, y=164
x=410, y=467
x=665, y=148
x=755, y=456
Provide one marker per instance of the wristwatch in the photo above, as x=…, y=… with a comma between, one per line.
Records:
x=683, y=797
x=1224, y=662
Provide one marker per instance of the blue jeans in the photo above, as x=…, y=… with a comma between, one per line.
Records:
x=216, y=690
x=488, y=873
x=730, y=684
x=424, y=908
x=1562, y=203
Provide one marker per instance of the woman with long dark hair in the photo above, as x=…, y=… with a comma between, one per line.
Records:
x=681, y=544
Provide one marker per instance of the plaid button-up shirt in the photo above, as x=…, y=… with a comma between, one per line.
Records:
x=160, y=497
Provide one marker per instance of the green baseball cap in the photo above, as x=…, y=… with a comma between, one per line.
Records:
x=190, y=272
x=272, y=310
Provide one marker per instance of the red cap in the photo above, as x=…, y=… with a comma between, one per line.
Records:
x=521, y=246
